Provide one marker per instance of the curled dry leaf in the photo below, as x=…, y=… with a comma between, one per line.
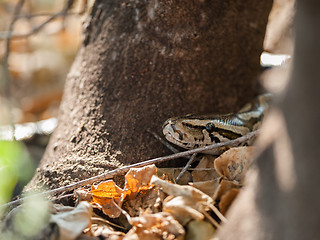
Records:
x=178, y=190
x=72, y=223
x=106, y=195
x=109, y=197
x=155, y=226
x=234, y=163
x=185, y=202
x=138, y=179
x=102, y=231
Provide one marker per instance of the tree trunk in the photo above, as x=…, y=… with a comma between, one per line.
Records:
x=142, y=62
x=282, y=200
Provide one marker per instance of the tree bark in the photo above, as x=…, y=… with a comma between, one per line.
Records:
x=282, y=199
x=142, y=62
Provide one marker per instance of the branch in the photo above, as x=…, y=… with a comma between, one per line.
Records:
x=62, y=13
x=191, y=160
x=124, y=169
x=6, y=75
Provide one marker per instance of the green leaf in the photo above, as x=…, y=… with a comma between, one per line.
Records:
x=15, y=164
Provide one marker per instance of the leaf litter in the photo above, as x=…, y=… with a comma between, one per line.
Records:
x=151, y=205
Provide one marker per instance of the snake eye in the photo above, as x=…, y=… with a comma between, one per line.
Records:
x=210, y=127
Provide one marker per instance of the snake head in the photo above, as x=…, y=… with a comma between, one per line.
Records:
x=187, y=132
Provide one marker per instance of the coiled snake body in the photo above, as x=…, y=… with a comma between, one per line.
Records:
x=192, y=131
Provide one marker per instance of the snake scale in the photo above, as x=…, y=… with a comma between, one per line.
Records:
x=193, y=131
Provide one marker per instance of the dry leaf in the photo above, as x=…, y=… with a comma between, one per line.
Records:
x=150, y=200
x=172, y=173
x=227, y=199
x=183, y=209
x=72, y=223
x=178, y=190
x=139, y=179
x=205, y=170
x=208, y=187
x=184, y=202
x=233, y=164
x=106, y=195
x=83, y=195
x=224, y=188
x=109, y=197
x=155, y=226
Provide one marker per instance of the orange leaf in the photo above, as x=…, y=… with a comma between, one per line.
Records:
x=139, y=179
x=106, y=195
x=109, y=197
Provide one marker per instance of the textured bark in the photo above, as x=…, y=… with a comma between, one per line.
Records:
x=142, y=62
x=282, y=200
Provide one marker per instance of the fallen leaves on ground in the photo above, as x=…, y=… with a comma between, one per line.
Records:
x=154, y=207
x=109, y=197
x=155, y=226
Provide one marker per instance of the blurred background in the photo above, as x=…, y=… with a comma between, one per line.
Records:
x=43, y=42
x=38, y=62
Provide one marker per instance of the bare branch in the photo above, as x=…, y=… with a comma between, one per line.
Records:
x=62, y=13
x=6, y=75
x=124, y=169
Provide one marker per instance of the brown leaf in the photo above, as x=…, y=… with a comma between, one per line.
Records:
x=208, y=187
x=227, y=199
x=172, y=173
x=233, y=164
x=109, y=197
x=106, y=195
x=150, y=200
x=185, y=202
x=205, y=170
x=224, y=187
x=139, y=179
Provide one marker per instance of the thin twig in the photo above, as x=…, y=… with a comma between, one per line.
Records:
x=191, y=160
x=62, y=13
x=44, y=14
x=218, y=213
x=6, y=75
x=124, y=169
x=211, y=219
